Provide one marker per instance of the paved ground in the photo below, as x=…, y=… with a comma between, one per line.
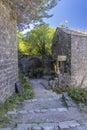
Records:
x=47, y=111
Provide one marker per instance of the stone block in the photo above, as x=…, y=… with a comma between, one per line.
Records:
x=43, y=110
x=36, y=128
x=23, y=112
x=68, y=124
x=53, y=109
x=47, y=128
x=69, y=102
x=24, y=127
x=62, y=109
x=11, y=113
x=18, y=88
x=37, y=111
x=34, y=100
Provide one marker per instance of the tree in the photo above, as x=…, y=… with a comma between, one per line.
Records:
x=24, y=48
x=30, y=11
x=20, y=43
x=39, y=39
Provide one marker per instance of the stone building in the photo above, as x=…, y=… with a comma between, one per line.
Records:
x=8, y=52
x=69, y=49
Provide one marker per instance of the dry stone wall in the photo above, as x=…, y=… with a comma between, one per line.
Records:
x=8, y=52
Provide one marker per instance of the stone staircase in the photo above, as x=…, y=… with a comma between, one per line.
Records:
x=47, y=112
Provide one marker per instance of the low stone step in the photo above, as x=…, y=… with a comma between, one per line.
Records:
x=66, y=125
x=41, y=126
x=51, y=115
x=42, y=103
x=42, y=99
x=24, y=112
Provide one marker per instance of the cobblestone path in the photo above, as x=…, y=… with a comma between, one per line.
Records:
x=47, y=111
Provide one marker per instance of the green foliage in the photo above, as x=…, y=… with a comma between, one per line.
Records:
x=39, y=70
x=37, y=41
x=77, y=93
x=22, y=48
x=30, y=11
x=15, y=100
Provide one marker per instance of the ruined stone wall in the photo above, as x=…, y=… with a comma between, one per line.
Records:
x=79, y=60
x=61, y=43
x=61, y=46
x=8, y=52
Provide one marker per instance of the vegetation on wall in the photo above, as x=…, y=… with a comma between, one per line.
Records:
x=78, y=94
x=16, y=99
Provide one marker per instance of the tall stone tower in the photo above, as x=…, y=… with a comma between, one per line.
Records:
x=8, y=52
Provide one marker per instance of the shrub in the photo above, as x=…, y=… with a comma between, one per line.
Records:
x=38, y=71
x=15, y=100
x=77, y=93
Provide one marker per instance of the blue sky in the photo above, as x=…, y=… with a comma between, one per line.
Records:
x=74, y=11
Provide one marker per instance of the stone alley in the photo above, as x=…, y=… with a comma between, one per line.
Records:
x=47, y=111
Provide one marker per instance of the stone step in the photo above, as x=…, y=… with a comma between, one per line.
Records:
x=47, y=115
x=43, y=99
x=24, y=112
x=42, y=103
x=43, y=115
x=67, y=125
x=39, y=115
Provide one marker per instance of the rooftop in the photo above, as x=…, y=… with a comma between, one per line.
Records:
x=73, y=31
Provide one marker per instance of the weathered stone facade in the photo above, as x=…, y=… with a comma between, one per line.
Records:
x=71, y=44
x=8, y=52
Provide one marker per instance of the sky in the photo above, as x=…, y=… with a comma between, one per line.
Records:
x=73, y=13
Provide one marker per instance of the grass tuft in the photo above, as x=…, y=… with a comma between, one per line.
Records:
x=76, y=93
x=15, y=100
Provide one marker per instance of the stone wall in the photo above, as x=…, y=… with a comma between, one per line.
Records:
x=79, y=60
x=62, y=47
x=28, y=64
x=61, y=44
x=8, y=52
x=72, y=44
